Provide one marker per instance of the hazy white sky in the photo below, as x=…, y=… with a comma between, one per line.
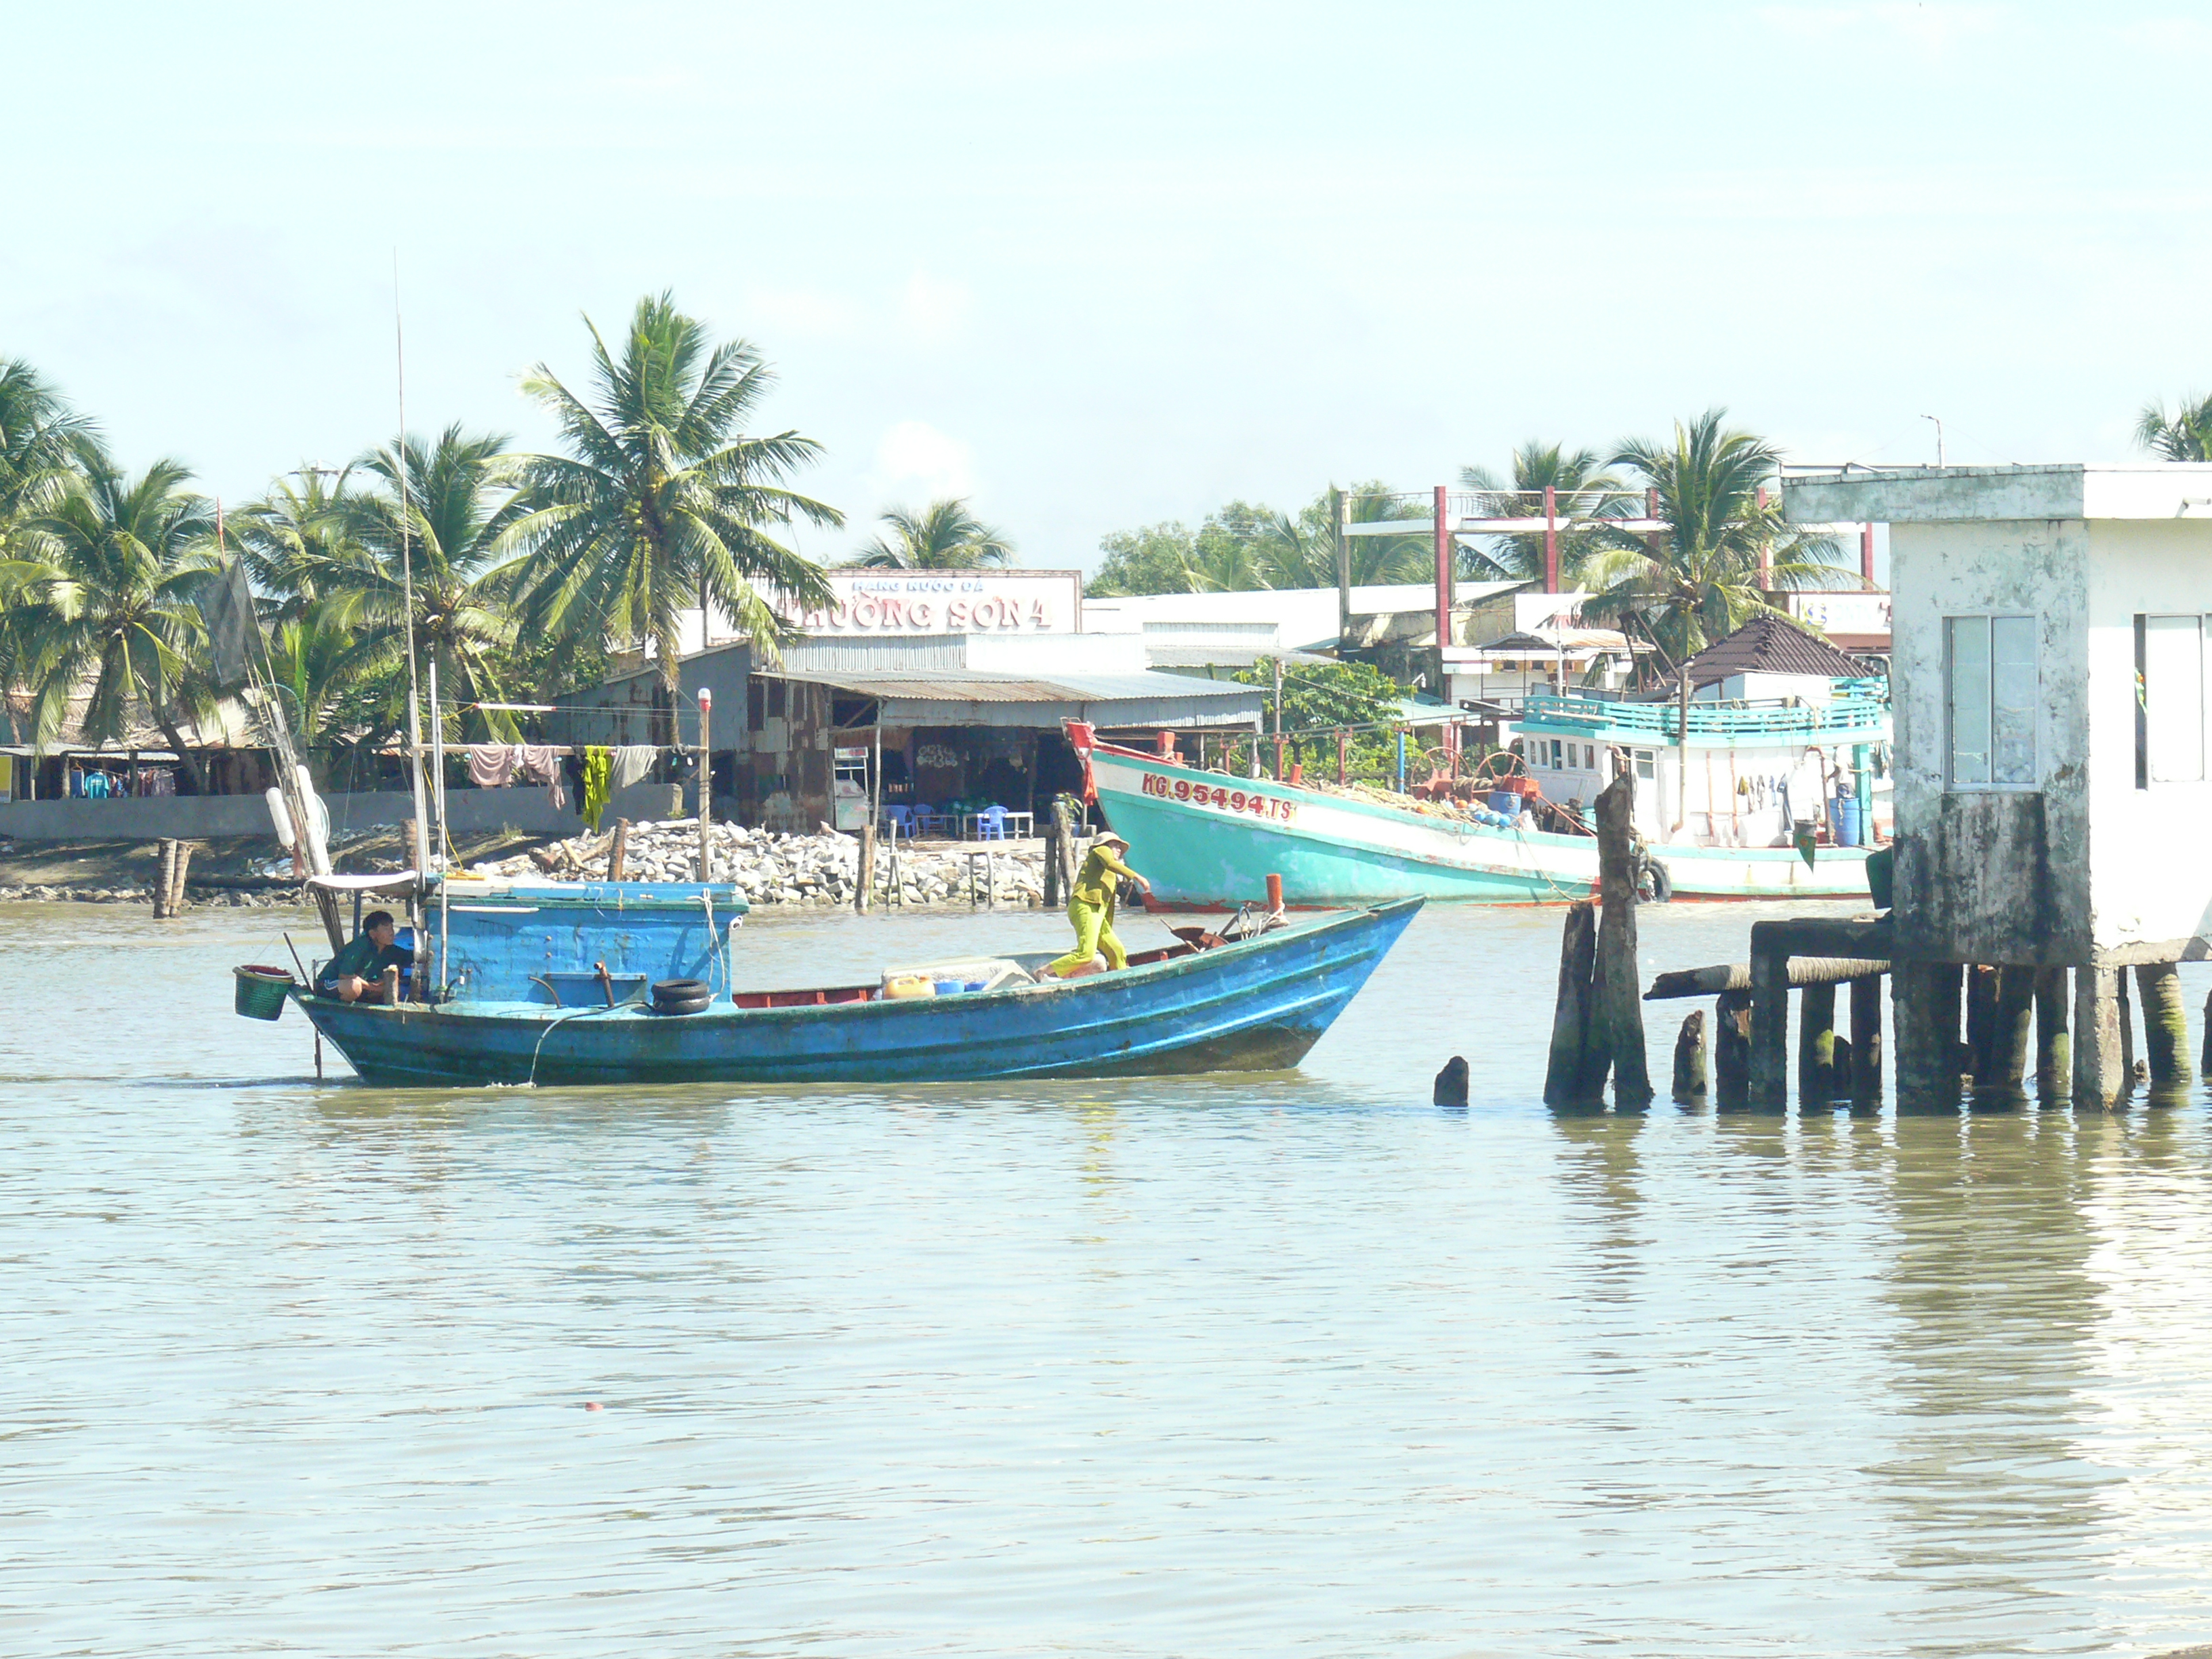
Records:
x=1104, y=266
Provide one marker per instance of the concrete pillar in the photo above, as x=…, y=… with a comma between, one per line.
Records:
x=2165, y=1024
x=1816, y=1048
x=2098, y=1076
x=1866, y=1041
x=1769, y=1027
x=1925, y=996
x=2011, y=1005
x=2054, y=1046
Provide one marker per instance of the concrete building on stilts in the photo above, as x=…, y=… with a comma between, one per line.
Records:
x=2053, y=786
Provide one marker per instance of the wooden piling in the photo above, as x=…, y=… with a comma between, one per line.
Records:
x=2099, y=1077
x=1816, y=1048
x=863, y=889
x=1451, y=1083
x=1565, y=1073
x=1690, y=1086
x=1769, y=1025
x=1866, y=1041
x=165, y=875
x=2054, y=1045
x=1617, y=1025
x=1925, y=999
x=2166, y=1024
x=1053, y=829
x=618, y=854
x=2204, y=1061
x=1732, y=1050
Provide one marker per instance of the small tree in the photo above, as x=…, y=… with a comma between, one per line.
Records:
x=943, y=536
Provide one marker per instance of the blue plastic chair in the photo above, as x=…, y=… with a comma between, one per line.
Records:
x=991, y=824
x=900, y=819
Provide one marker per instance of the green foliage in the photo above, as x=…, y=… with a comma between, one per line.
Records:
x=943, y=536
x=105, y=605
x=660, y=501
x=1323, y=696
x=1245, y=546
x=1580, y=484
x=2184, y=436
x=1703, y=581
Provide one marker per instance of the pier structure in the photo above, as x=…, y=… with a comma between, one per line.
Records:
x=2053, y=785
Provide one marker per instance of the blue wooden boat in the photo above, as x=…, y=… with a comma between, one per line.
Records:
x=1256, y=1004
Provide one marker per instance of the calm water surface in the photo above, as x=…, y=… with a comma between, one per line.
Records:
x=1296, y=1364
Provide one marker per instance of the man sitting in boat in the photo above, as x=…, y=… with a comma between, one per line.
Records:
x=1091, y=909
x=367, y=969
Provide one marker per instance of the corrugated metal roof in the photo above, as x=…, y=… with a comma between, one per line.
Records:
x=1768, y=645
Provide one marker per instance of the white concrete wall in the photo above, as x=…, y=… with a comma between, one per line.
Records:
x=2150, y=850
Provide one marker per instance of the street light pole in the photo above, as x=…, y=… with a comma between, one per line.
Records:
x=1938, y=419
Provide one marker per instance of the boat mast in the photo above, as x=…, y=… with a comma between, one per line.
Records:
x=421, y=847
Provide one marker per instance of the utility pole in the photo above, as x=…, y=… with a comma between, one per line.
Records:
x=1938, y=419
x=706, y=784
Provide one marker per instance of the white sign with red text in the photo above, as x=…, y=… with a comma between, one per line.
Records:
x=873, y=602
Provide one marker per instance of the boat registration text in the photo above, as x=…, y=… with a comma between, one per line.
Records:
x=1221, y=800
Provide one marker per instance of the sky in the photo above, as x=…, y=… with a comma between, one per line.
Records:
x=1095, y=268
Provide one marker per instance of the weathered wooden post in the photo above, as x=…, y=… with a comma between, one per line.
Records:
x=864, y=891
x=1052, y=830
x=1732, y=1050
x=618, y=854
x=2004, y=1063
x=2204, y=1061
x=1816, y=1047
x=2098, y=1073
x=2054, y=1047
x=1566, y=1071
x=1690, y=1087
x=1616, y=1002
x=165, y=874
x=1451, y=1083
x=1770, y=1019
x=2166, y=1024
x=1866, y=1040
x=1925, y=999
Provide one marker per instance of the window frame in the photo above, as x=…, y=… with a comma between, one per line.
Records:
x=1991, y=785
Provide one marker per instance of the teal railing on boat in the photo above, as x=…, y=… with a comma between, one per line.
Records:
x=1585, y=715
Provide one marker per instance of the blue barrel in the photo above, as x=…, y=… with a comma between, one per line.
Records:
x=1847, y=822
x=1505, y=801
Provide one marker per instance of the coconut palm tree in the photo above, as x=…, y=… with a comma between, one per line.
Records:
x=2184, y=436
x=39, y=435
x=105, y=604
x=1703, y=579
x=302, y=524
x=661, y=501
x=1580, y=486
x=444, y=521
x=943, y=536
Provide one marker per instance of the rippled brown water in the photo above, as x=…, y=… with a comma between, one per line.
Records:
x=1276, y=1365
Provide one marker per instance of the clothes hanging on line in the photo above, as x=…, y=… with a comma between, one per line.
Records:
x=598, y=764
x=491, y=765
x=540, y=762
x=631, y=762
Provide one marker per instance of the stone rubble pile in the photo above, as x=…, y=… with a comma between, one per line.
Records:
x=206, y=897
x=769, y=868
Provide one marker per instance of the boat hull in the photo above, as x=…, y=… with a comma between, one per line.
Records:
x=1258, y=1005
x=1331, y=850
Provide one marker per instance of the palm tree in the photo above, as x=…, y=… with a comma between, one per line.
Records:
x=444, y=521
x=293, y=530
x=1704, y=578
x=943, y=536
x=39, y=435
x=1580, y=485
x=661, y=501
x=105, y=604
x=2184, y=436
x=314, y=665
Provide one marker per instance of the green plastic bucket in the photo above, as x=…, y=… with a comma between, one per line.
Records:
x=260, y=991
x=1880, y=867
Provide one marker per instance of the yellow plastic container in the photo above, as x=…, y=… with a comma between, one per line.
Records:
x=897, y=986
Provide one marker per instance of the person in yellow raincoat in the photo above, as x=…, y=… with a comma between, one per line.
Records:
x=1090, y=908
